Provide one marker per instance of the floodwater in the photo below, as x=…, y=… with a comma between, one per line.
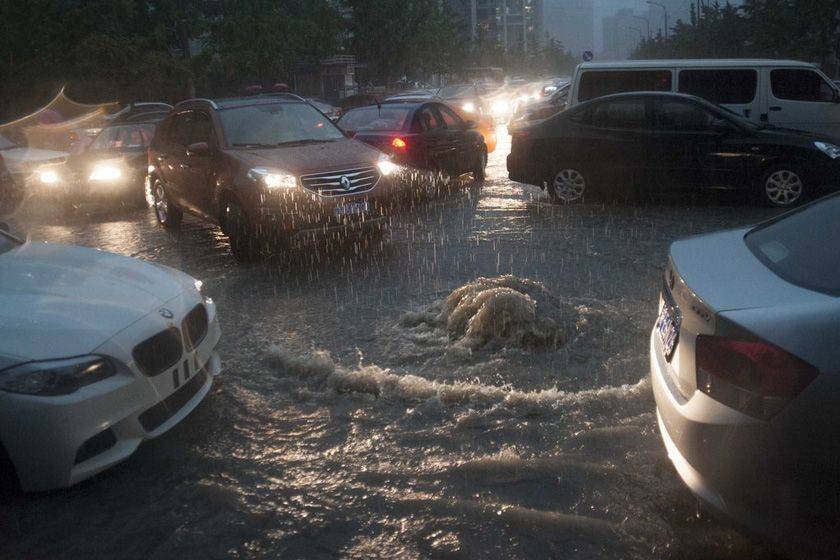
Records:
x=378, y=400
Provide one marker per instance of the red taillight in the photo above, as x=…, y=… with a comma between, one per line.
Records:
x=399, y=144
x=758, y=378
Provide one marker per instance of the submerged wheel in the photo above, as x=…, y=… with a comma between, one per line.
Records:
x=567, y=185
x=168, y=215
x=784, y=186
x=480, y=170
x=244, y=242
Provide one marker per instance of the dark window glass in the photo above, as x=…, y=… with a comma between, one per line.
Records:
x=124, y=137
x=683, y=116
x=429, y=119
x=720, y=86
x=386, y=117
x=450, y=119
x=200, y=128
x=273, y=124
x=800, y=85
x=605, y=82
x=621, y=113
x=177, y=130
x=802, y=248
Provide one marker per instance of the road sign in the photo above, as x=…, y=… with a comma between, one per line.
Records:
x=588, y=56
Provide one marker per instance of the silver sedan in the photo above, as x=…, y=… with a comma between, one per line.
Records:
x=745, y=367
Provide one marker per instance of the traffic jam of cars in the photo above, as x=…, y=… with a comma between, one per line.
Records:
x=100, y=352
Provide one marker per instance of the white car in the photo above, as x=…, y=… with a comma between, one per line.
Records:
x=98, y=352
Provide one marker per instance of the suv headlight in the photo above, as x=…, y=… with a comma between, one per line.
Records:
x=386, y=166
x=828, y=149
x=56, y=377
x=272, y=178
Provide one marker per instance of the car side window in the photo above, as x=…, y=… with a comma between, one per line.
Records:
x=598, y=83
x=722, y=86
x=683, y=116
x=200, y=128
x=800, y=85
x=450, y=119
x=429, y=119
x=177, y=131
x=619, y=113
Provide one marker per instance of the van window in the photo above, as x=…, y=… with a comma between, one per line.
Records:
x=619, y=113
x=720, y=86
x=800, y=85
x=606, y=82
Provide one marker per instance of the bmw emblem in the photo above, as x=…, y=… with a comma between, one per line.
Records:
x=345, y=183
x=165, y=313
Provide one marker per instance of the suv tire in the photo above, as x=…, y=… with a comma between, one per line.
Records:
x=167, y=214
x=244, y=241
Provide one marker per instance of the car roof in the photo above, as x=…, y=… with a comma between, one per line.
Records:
x=231, y=102
x=694, y=63
x=628, y=94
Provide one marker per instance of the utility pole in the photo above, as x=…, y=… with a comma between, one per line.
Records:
x=474, y=19
x=665, y=10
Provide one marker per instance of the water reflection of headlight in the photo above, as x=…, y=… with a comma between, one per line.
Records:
x=48, y=177
x=105, y=173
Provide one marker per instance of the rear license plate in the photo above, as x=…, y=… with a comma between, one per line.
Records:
x=352, y=209
x=668, y=327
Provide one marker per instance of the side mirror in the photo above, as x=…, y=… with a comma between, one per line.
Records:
x=198, y=149
x=469, y=125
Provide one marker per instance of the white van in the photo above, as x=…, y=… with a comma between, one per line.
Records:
x=784, y=93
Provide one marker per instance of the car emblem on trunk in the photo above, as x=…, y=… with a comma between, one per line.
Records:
x=345, y=183
x=165, y=313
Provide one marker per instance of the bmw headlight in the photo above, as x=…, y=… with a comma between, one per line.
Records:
x=386, y=166
x=105, y=173
x=57, y=377
x=469, y=107
x=272, y=178
x=48, y=177
x=830, y=150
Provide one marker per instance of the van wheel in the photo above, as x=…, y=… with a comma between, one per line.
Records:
x=480, y=170
x=168, y=215
x=568, y=185
x=244, y=242
x=784, y=186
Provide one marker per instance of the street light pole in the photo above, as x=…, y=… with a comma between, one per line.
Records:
x=664, y=9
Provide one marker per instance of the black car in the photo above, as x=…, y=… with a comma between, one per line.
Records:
x=422, y=135
x=543, y=108
x=669, y=141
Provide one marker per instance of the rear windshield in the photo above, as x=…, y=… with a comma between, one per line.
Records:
x=802, y=247
x=124, y=137
x=375, y=118
x=598, y=83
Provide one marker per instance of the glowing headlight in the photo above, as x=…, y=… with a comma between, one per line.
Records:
x=386, y=166
x=500, y=106
x=830, y=150
x=48, y=177
x=469, y=107
x=105, y=173
x=272, y=178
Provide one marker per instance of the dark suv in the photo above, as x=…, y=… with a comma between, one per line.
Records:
x=266, y=167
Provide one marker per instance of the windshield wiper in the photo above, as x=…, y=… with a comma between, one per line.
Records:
x=252, y=145
x=307, y=141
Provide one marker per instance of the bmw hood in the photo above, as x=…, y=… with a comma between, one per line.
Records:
x=20, y=160
x=58, y=301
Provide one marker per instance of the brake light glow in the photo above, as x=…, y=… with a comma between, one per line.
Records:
x=399, y=144
x=754, y=377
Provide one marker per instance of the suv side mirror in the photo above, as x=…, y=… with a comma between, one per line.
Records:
x=198, y=149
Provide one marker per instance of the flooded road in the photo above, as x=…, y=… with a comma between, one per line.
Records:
x=367, y=411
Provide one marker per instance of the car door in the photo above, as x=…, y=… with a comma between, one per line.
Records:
x=461, y=140
x=171, y=155
x=198, y=170
x=615, y=141
x=436, y=148
x=803, y=99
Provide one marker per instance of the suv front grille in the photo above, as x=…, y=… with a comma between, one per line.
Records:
x=158, y=353
x=194, y=326
x=340, y=183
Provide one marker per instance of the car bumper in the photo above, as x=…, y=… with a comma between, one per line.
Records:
x=87, y=191
x=55, y=442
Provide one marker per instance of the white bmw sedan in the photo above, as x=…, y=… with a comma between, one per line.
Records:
x=98, y=352
x=745, y=367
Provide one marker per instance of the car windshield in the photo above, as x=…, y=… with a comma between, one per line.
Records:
x=275, y=124
x=387, y=117
x=123, y=137
x=809, y=260
x=457, y=91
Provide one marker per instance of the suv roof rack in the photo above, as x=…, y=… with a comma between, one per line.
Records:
x=185, y=101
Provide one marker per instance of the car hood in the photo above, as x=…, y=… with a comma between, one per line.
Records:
x=722, y=271
x=20, y=159
x=790, y=136
x=311, y=158
x=58, y=301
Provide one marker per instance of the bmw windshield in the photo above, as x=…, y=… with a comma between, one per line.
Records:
x=276, y=124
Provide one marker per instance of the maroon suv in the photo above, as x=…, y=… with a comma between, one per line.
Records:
x=266, y=167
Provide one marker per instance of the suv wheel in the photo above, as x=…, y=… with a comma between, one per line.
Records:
x=168, y=215
x=784, y=186
x=479, y=171
x=567, y=185
x=244, y=242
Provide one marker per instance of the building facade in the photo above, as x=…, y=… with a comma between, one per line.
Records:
x=517, y=25
x=572, y=22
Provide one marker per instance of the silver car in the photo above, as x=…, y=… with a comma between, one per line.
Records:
x=745, y=367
